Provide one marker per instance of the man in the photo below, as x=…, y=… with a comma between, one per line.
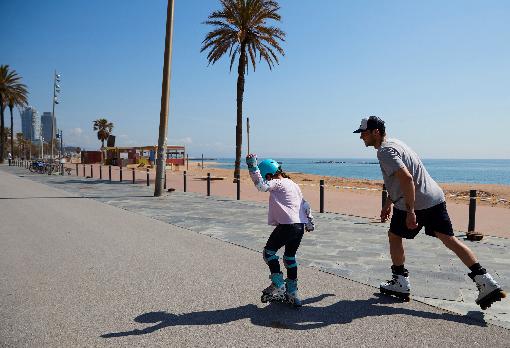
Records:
x=418, y=202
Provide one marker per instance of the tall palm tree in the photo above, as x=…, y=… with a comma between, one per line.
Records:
x=20, y=141
x=16, y=96
x=103, y=128
x=240, y=28
x=9, y=80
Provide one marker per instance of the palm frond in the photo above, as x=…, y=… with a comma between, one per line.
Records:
x=242, y=23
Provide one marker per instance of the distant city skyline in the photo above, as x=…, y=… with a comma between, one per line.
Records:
x=437, y=72
x=48, y=131
x=30, y=123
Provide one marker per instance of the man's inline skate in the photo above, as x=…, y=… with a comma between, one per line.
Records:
x=489, y=290
x=399, y=286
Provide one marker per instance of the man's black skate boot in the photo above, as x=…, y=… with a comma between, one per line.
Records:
x=489, y=290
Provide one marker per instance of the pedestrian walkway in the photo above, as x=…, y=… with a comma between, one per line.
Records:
x=347, y=246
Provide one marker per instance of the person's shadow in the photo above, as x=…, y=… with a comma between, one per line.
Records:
x=283, y=316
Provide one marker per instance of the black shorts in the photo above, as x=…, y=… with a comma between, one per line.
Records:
x=435, y=219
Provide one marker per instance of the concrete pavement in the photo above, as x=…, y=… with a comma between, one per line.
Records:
x=77, y=272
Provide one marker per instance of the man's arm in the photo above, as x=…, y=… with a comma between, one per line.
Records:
x=386, y=210
x=407, y=185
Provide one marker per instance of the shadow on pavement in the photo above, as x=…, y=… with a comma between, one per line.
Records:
x=282, y=316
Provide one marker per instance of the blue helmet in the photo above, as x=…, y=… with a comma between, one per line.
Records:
x=268, y=166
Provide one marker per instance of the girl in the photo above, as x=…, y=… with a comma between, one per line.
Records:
x=291, y=215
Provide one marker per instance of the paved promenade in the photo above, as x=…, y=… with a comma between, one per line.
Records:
x=150, y=274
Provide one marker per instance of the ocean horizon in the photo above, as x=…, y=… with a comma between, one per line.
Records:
x=481, y=171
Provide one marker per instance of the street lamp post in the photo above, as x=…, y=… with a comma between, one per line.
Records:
x=61, y=145
x=56, y=91
x=59, y=137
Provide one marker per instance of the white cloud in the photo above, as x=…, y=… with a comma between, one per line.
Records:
x=76, y=132
x=184, y=141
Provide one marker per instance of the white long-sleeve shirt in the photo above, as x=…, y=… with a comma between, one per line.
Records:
x=286, y=203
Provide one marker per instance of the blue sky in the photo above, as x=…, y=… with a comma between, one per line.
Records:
x=438, y=72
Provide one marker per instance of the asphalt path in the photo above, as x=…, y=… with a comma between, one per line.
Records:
x=75, y=272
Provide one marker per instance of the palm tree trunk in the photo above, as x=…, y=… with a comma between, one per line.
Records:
x=2, y=131
x=240, y=92
x=165, y=101
x=12, y=135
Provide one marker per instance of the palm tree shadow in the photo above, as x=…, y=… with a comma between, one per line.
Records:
x=282, y=316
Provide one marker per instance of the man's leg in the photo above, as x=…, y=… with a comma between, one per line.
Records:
x=399, y=284
x=460, y=249
x=489, y=291
x=396, y=249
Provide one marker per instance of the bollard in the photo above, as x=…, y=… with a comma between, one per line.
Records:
x=61, y=168
x=321, y=185
x=471, y=234
x=133, y=172
x=164, y=184
x=101, y=172
x=120, y=179
x=384, y=195
x=110, y=173
x=76, y=169
x=147, y=176
x=238, y=183
x=208, y=184
x=472, y=210
x=184, y=181
x=91, y=171
x=84, y=175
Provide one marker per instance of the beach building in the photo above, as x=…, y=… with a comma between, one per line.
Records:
x=46, y=122
x=144, y=155
x=30, y=125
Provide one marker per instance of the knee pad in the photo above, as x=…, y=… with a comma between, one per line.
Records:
x=289, y=261
x=269, y=255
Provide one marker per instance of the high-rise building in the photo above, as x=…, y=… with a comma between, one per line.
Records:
x=46, y=120
x=30, y=126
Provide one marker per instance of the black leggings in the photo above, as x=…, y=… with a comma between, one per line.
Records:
x=289, y=236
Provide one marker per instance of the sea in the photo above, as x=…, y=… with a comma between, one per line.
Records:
x=482, y=171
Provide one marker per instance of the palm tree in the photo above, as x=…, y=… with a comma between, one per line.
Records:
x=103, y=128
x=9, y=81
x=240, y=28
x=16, y=96
x=20, y=141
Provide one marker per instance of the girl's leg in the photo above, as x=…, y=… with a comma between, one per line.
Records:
x=295, y=234
x=275, y=242
x=289, y=260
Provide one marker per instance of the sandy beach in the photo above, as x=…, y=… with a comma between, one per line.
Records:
x=347, y=196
